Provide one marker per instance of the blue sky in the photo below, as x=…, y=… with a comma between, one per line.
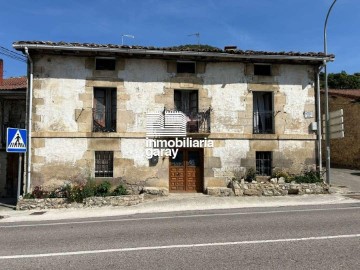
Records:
x=270, y=25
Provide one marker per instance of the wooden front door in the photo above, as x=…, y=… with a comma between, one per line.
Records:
x=186, y=171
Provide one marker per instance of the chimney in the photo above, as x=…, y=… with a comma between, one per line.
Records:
x=230, y=48
x=1, y=71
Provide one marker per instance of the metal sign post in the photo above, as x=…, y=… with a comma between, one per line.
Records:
x=16, y=143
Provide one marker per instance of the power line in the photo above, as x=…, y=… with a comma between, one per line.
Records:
x=12, y=52
x=13, y=55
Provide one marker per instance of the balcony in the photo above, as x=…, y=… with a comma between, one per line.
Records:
x=263, y=122
x=198, y=122
x=104, y=120
x=170, y=123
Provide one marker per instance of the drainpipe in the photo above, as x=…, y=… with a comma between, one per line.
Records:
x=319, y=123
x=29, y=123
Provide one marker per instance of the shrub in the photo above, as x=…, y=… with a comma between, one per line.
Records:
x=250, y=174
x=59, y=192
x=103, y=189
x=277, y=173
x=89, y=189
x=119, y=190
x=39, y=193
x=308, y=177
x=28, y=196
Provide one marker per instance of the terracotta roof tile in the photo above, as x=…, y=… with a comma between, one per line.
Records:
x=174, y=48
x=14, y=83
x=350, y=93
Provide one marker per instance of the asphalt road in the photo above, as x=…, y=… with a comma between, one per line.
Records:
x=311, y=237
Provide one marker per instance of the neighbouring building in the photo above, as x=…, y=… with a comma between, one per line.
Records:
x=91, y=102
x=345, y=152
x=12, y=114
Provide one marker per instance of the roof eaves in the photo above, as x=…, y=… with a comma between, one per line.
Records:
x=173, y=51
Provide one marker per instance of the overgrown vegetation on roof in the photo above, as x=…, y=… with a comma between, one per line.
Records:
x=192, y=47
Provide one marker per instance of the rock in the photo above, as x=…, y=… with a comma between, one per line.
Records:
x=278, y=193
x=238, y=192
x=252, y=192
x=281, y=180
x=273, y=180
x=267, y=192
x=213, y=191
x=155, y=191
x=220, y=191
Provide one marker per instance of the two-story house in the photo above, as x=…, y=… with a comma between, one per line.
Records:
x=90, y=104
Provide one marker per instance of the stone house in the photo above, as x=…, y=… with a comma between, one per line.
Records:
x=90, y=104
x=12, y=114
x=345, y=152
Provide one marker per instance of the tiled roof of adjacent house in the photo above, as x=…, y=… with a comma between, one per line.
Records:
x=350, y=93
x=14, y=83
x=188, y=48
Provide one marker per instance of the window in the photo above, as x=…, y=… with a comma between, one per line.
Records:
x=187, y=102
x=104, y=110
x=263, y=70
x=185, y=67
x=263, y=113
x=263, y=163
x=104, y=163
x=105, y=63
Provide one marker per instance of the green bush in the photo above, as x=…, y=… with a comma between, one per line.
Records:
x=250, y=175
x=308, y=177
x=77, y=192
x=28, y=196
x=89, y=189
x=103, y=189
x=277, y=173
x=119, y=190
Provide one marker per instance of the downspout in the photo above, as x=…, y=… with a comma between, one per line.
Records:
x=319, y=121
x=29, y=123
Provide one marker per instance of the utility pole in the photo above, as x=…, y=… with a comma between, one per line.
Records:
x=327, y=114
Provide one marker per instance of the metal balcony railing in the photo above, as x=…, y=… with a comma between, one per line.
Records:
x=104, y=121
x=263, y=122
x=199, y=122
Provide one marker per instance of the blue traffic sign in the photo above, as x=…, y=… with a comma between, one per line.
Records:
x=16, y=140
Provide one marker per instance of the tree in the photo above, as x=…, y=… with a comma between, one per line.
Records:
x=341, y=80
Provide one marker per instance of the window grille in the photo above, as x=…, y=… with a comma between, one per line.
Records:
x=263, y=163
x=104, y=163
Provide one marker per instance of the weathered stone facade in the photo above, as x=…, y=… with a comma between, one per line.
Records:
x=64, y=142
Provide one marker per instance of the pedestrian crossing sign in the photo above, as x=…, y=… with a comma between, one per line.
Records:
x=16, y=140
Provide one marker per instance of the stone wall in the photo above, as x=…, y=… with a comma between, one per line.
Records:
x=345, y=152
x=57, y=203
x=268, y=189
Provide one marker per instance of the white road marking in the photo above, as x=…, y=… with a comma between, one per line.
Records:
x=85, y=252
x=174, y=217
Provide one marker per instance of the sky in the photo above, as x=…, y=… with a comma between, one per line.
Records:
x=266, y=25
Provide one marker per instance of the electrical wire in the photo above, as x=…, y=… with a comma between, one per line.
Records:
x=13, y=55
